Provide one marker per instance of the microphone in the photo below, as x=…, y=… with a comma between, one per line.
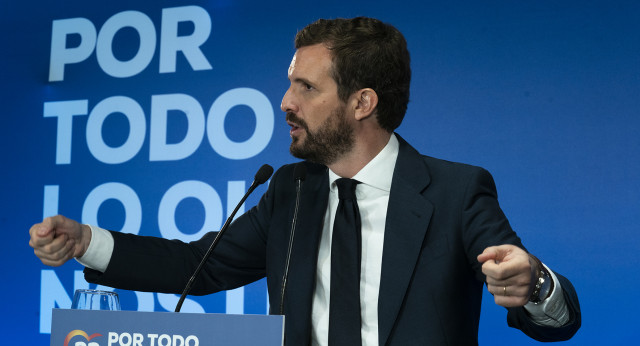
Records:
x=299, y=174
x=261, y=177
x=263, y=174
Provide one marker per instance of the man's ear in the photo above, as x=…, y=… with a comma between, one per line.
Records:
x=367, y=102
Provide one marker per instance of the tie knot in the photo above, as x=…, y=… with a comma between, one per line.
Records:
x=347, y=188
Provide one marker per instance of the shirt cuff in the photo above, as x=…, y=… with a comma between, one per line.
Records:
x=553, y=311
x=100, y=249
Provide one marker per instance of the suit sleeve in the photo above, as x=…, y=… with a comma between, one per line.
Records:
x=484, y=225
x=483, y=222
x=154, y=264
x=518, y=318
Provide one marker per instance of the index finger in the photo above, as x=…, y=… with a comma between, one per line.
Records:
x=489, y=253
x=44, y=230
x=506, y=269
x=499, y=253
x=40, y=230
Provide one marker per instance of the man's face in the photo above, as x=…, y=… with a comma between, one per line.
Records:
x=320, y=128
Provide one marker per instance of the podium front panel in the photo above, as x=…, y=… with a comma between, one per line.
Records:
x=135, y=328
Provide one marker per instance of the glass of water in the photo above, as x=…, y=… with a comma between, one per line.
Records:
x=95, y=300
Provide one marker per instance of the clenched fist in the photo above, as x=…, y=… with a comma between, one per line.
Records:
x=508, y=270
x=57, y=239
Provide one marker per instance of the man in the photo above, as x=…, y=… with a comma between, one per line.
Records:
x=431, y=232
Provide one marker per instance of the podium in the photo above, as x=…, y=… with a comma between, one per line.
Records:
x=135, y=328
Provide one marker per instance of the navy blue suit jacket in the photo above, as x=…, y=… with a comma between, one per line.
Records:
x=441, y=215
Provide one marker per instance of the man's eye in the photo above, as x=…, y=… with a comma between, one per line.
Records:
x=308, y=87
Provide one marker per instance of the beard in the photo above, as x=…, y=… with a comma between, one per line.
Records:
x=328, y=143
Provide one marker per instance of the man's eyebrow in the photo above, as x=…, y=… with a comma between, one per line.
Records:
x=301, y=80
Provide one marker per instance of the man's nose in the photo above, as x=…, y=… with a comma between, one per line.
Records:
x=288, y=104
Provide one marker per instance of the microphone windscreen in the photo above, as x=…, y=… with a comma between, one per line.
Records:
x=299, y=172
x=263, y=174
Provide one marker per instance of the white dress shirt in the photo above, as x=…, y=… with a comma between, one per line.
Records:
x=373, y=198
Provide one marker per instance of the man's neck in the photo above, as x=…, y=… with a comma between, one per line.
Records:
x=364, y=150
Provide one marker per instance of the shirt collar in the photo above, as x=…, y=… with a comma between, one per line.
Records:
x=379, y=171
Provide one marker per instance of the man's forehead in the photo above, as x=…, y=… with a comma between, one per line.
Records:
x=314, y=58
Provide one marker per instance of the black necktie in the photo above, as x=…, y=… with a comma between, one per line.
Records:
x=344, y=307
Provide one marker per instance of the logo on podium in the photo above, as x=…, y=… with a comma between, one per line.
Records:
x=84, y=334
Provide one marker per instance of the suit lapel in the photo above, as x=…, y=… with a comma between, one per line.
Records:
x=408, y=217
x=302, y=277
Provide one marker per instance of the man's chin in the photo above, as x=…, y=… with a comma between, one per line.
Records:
x=297, y=142
x=294, y=149
x=298, y=150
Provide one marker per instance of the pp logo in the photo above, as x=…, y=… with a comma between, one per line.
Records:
x=86, y=337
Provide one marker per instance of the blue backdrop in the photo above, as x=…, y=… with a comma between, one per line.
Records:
x=152, y=117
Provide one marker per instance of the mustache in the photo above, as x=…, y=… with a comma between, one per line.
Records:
x=292, y=118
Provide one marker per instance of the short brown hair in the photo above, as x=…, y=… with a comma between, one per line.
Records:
x=367, y=53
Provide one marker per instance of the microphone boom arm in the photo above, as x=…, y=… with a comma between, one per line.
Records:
x=263, y=175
